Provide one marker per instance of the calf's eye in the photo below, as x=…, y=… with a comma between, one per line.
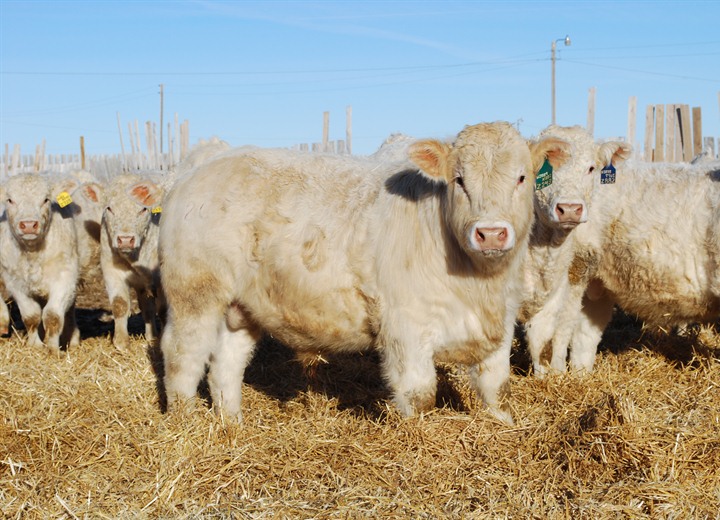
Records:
x=521, y=179
x=591, y=169
x=459, y=181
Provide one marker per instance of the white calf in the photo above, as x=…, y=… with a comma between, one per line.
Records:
x=421, y=260
x=38, y=259
x=128, y=250
x=562, y=204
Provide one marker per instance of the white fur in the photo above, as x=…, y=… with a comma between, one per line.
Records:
x=546, y=321
x=654, y=250
x=344, y=254
x=40, y=274
x=127, y=216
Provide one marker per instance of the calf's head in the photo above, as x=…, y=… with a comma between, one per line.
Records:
x=129, y=204
x=562, y=201
x=29, y=201
x=489, y=171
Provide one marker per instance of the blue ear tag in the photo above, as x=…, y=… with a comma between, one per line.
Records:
x=607, y=174
x=543, y=179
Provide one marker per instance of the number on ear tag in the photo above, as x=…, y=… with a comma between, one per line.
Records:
x=607, y=174
x=64, y=199
x=544, y=177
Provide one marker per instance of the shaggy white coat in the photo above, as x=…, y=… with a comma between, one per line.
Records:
x=39, y=269
x=345, y=253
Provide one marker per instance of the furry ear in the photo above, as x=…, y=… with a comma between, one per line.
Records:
x=431, y=156
x=556, y=151
x=145, y=193
x=91, y=191
x=614, y=152
x=68, y=185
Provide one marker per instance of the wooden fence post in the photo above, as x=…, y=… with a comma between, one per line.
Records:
x=326, y=131
x=648, y=153
x=122, y=145
x=348, y=128
x=697, y=131
x=82, y=153
x=632, y=120
x=709, y=144
x=659, y=133
x=685, y=132
x=670, y=133
x=591, y=111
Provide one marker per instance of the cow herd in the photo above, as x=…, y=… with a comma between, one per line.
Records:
x=427, y=250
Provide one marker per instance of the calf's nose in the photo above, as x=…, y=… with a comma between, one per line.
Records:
x=126, y=242
x=569, y=212
x=29, y=227
x=491, y=238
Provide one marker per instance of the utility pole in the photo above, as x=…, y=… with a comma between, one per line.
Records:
x=552, y=58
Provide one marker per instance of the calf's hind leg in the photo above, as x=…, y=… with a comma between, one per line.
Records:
x=237, y=338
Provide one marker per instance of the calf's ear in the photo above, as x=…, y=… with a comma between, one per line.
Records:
x=614, y=152
x=91, y=191
x=66, y=185
x=555, y=151
x=431, y=156
x=145, y=193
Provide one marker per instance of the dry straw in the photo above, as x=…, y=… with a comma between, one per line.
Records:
x=84, y=436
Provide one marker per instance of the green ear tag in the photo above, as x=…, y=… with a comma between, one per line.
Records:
x=543, y=179
x=64, y=199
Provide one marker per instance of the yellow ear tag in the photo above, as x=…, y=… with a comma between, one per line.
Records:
x=64, y=199
x=156, y=210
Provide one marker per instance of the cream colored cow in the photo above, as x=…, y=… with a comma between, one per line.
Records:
x=654, y=250
x=38, y=259
x=562, y=204
x=128, y=249
x=418, y=259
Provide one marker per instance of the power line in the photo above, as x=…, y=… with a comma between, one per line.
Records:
x=651, y=73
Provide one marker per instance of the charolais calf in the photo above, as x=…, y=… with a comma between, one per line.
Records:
x=38, y=259
x=420, y=259
x=128, y=250
x=563, y=202
x=654, y=251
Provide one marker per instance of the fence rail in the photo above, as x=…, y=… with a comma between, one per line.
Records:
x=673, y=133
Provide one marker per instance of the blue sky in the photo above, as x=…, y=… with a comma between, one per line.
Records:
x=264, y=73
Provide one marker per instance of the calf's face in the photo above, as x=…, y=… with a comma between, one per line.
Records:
x=28, y=200
x=563, y=202
x=128, y=213
x=490, y=172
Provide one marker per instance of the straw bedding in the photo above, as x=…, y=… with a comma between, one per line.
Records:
x=84, y=435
